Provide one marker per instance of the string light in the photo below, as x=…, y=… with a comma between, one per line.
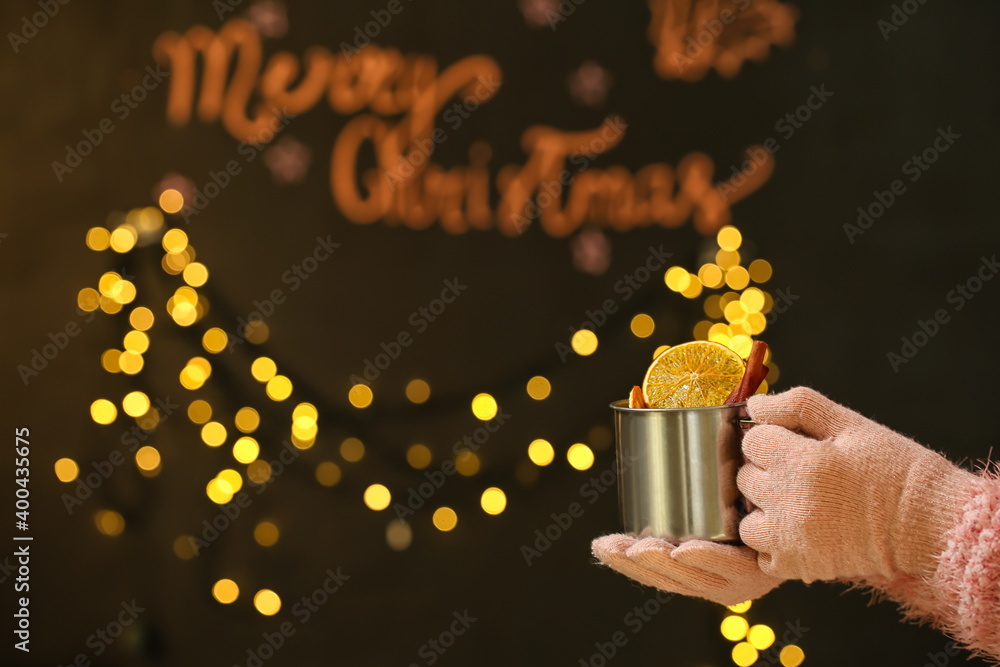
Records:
x=584, y=342
x=445, y=519
x=541, y=452
x=377, y=497
x=225, y=591
x=539, y=388
x=360, y=396
x=267, y=602
x=493, y=501
x=484, y=407
x=580, y=456
x=66, y=470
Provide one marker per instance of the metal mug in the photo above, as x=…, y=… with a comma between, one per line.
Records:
x=677, y=471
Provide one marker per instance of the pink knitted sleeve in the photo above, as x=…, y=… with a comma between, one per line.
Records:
x=962, y=597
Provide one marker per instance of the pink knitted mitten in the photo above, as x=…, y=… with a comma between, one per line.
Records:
x=840, y=496
x=718, y=572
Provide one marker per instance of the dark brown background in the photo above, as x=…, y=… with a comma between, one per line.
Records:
x=855, y=301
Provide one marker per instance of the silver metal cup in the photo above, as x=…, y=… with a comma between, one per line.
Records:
x=677, y=471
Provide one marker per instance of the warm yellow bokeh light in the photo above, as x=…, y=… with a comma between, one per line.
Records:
x=171, y=200
x=737, y=278
x=660, y=350
x=225, y=591
x=230, y=479
x=791, y=656
x=710, y=275
x=694, y=288
x=584, y=342
x=141, y=318
x=98, y=238
x=734, y=628
x=377, y=497
x=184, y=313
x=195, y=274
x=493, y=501
x=213, y=434
x=266, y=534
x=352, y=450
x=259, y=471
x=247, y=420
x=727, y=259
x=88, y=299
x=66, y=470
x=278, y=388
x=760, y=270
x=741, y=608
x=760, y=637
x=184, y=547
x=267, y=602
x=109, y=522
x=539, y=388
x=199, y=411
x=246, y=450
x=123, y=292
x=263, y=369
x=741, y=344
x=744, y=654
x=642, y=325
x=580, y=456
x=123, y=238
x=445, y=519
x=677, y=278
x=729, y=238
x=175, y=241
x=418, y=391
x=541, y=452
x=103, y=411
x=484, y=407
x=135, y=404
x=467, y=464
x=328, y=473
x=147, y=458
x=360, y=396
x=110, y=361
x=418, y=456
x=214, y=340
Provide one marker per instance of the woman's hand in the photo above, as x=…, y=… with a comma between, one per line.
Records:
x=721, y=573
x=840, y=496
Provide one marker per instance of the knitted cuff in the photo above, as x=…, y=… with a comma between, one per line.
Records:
x=936, y=491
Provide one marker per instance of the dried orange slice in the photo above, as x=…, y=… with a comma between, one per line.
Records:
x=692, y=375
x=635, y=399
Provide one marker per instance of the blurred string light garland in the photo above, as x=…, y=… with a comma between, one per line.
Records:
x=733, y=317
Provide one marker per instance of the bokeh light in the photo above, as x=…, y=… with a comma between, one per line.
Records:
x=760, y=637
x=377, y=497
x=539, y=388
x=493, y=500
x=467, y=464
x=445, y=519
x=584, y=342
x=352, y=450
x=199, y=411
x=729, y=238
x=484, y=407
x=267, y=602
x=213, y=434
x=418, y=456
x=418, y=391
x=580, y=456
x=147, y=458
x=734, y=628
x=109, y=522
x=171, y=200
x=247, y=420
x=360, y=396
x=263, y=369
x=398, y=535
x=642, y=325
x=103, y=411
x=246, y=450
x=278, y=388
x=744, y=654
x=791, y=656
x=266, y=534
x=328, y=473
x=541, y=452
x=135, y=404
x=225, y=591
x=66, y=470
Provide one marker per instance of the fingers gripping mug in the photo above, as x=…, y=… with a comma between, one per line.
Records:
x=677, y=471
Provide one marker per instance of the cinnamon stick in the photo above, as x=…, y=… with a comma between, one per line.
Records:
x=754, y=374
